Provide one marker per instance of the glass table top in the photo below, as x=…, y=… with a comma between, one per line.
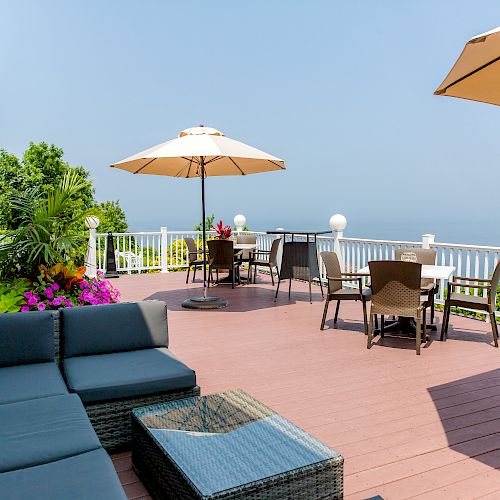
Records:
x=228, y=440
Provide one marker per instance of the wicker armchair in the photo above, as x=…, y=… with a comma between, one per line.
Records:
x=485, y=303
x=258, y=258
x=421, y=256
x=193, y=257
x=221, y=255
x=396, y=290
x=336, y=278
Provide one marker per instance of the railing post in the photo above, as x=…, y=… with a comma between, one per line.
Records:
x=427, y=240
x=337, y=224
x=91, y=223
x=164, y=250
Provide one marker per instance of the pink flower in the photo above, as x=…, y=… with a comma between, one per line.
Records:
x=41, y=306
x=25, y=309
x=28, y=295
x=58, y=301
x=68, y=303
x=49, y=293
x=55, y=287
x=32, y=301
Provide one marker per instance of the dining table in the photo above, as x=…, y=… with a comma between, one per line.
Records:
x=429, y=271
x=238, y=247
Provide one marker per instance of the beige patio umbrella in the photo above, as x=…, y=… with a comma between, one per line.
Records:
x=476, y=74
x=201, y=152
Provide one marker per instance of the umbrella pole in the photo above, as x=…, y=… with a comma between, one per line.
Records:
x=204, y=302
x=204, y=243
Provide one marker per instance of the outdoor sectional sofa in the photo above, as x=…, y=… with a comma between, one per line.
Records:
x=115, y=358
x=49, y=448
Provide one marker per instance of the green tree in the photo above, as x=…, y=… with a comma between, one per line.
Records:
x=111, y=217
x=42, y=167
x=209, y=221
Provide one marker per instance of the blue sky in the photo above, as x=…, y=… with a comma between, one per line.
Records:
x=343, y=91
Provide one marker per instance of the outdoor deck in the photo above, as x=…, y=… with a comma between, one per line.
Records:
x=408, y=426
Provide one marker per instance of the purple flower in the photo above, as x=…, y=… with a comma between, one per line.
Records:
x=25, y=309
x=28, y=295
x=58, y=301
x=41, y=306
x=68, y=303
x=49, y=293
x=55, y=287
x=32, y=301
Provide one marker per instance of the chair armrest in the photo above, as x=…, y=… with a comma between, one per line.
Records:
x=257, y=252
x=359, y=280
x=471, y=279
x=355, y=274
x=467, y=285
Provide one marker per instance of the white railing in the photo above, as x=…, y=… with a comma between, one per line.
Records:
x=165, y=250
x=157, y=250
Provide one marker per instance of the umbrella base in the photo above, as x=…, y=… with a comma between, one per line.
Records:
x=205, y=303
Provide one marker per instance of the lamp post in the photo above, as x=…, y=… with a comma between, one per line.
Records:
x=91, y=223
x=337, y=224
x=239, y=222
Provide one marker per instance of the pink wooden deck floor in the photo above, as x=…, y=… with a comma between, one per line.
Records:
x=408, y=426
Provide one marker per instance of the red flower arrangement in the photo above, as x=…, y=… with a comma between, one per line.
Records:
x=222, y=232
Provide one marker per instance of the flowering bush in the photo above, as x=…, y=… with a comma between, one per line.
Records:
x=47, y=294
x=57, y=287
x=222, y=232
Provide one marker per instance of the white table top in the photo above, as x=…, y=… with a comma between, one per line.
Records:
x=428, y=271
x=245, y=246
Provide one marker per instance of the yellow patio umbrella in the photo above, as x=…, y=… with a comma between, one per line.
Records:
x=201, y=152
x=476, y=74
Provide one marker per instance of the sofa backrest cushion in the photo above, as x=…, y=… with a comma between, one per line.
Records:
x=110, y=328
x=27, y=337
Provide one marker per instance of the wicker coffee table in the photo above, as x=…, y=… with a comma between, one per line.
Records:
x=227, y=446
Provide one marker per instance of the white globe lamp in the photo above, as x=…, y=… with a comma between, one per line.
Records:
x=338, y=223
x=91, y=222
x=239, y=222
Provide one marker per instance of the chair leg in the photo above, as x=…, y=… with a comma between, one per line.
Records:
x=376, y=321
x=289, y=289
x=337, y=312
x=494, y=327
x=370, y=330
x=419, y=333
x=433, y=303
x=382, y=325
x=424, y=328
x=187, y=277
x=272, y=276
x=365, y=320
x=194, y=273
x=444, y=326
x=325, y=310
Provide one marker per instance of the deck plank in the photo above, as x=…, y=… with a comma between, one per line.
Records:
x=406, y=425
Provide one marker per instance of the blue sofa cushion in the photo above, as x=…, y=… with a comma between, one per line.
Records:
x=39, y=380
x=89, y=476
x=27, y=337
x=126, y=374
x=114, y=328
x=43, y=430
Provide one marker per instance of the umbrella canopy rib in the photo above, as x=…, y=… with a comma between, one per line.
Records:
x=236, y=165
x=144, y=166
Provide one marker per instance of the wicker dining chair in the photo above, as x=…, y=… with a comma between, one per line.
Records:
x=221, y=255
x=396, y=290
x=425, y=256
x=486, y=302
x=258, y=258
x=336, y=278
x=193, y=257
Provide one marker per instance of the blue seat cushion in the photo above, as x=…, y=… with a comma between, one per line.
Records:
x=89, y=476
x=39, y=380
x=114, y=328
x=42, y=430
x=126, y=374
x=27, y=337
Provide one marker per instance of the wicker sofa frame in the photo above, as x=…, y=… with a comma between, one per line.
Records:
x=112, y=420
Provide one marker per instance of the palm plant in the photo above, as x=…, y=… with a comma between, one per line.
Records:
x=45, y=233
